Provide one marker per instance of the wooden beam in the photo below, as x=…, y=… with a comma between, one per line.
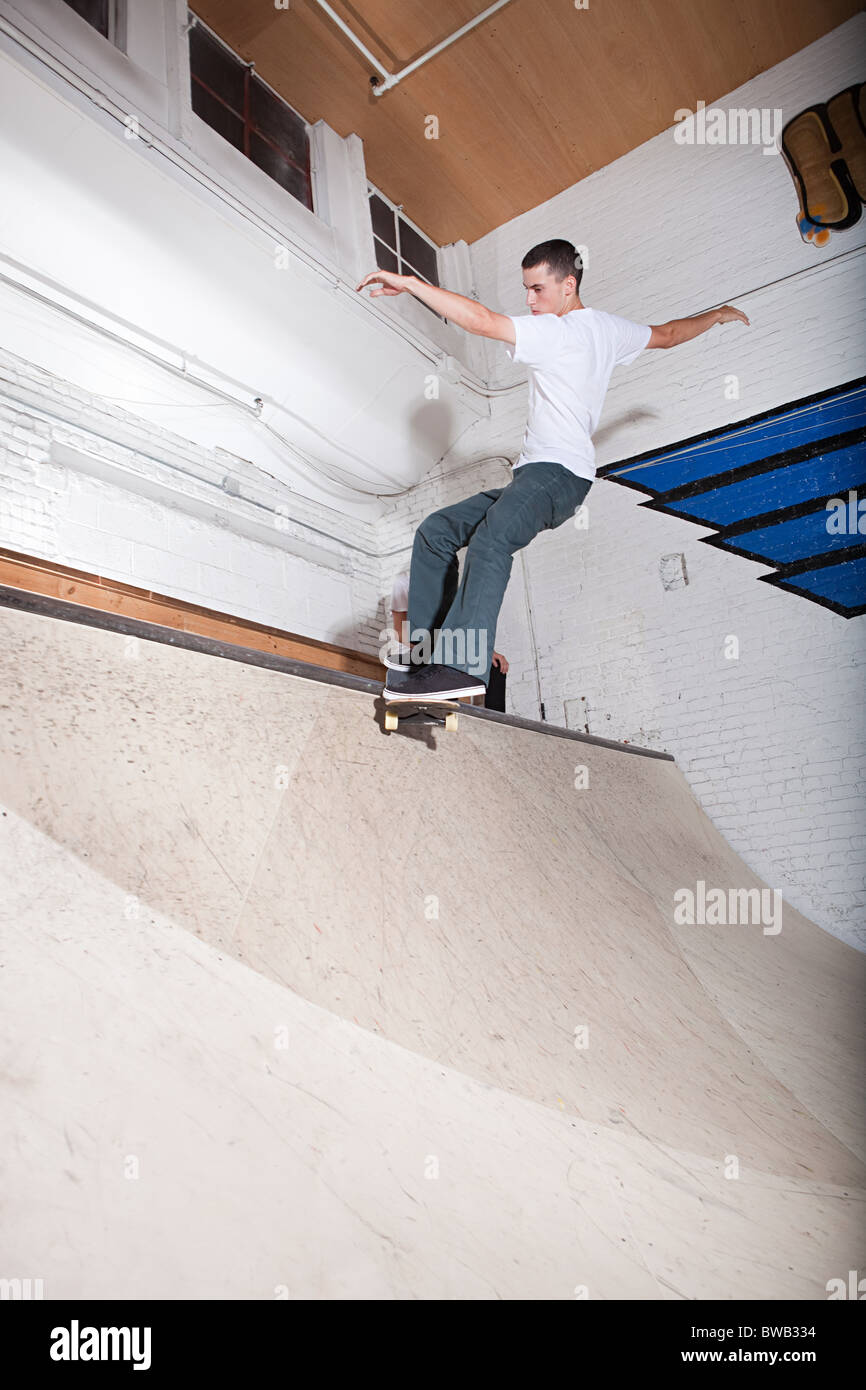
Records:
x=36, y=575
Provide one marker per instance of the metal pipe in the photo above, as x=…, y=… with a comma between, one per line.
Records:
x=391, y=79
x=355, y=40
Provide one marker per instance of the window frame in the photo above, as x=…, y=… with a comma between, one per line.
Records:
x=244, y=116
x=117, y=23
x=404, y=265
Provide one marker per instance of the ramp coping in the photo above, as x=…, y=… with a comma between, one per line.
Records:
x=44, y=606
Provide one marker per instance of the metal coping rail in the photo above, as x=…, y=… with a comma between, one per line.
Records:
x=45, y=606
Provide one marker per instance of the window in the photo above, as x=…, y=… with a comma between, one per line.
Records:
x=107, y=17
x=400, y=246
x=244, y=110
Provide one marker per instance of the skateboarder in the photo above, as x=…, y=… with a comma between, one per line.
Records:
x=569, y=351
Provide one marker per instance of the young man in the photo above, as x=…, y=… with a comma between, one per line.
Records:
x=570, y=352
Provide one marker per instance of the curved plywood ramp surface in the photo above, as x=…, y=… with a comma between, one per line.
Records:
x=292, y=1002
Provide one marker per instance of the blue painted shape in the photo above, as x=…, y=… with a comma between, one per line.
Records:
x=738, y=447
x=784, y=542
x=843, y=584
x=828, y=475
x=772, y=489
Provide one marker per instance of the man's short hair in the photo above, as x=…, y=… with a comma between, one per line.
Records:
x=560, y=256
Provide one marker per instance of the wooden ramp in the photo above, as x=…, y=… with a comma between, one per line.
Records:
x=291, y=1002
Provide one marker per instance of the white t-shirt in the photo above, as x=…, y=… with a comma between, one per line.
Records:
x=570, y=360
x=400, y=593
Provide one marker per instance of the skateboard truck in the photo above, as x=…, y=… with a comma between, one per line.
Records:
x=398, y=712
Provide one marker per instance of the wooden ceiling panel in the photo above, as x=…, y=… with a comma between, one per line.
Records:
x=531, y=101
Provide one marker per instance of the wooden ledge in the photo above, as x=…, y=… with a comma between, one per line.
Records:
x=35, y=575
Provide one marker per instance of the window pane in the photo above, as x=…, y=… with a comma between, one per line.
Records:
x=385, y=259
x=276, y=136
x=291, y=179
x=94, y=11
x=229, y=126
x=216, y=68
x=383, y=222
x=279, y=124
x=418, y=252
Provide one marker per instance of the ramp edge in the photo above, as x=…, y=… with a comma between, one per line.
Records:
x=64, y=611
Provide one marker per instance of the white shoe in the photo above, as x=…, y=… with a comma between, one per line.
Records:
x=398, y=659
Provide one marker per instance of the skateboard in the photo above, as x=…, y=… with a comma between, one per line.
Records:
x=399, y=712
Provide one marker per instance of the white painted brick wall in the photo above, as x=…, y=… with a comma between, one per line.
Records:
x=772, y=744
x=50, y=510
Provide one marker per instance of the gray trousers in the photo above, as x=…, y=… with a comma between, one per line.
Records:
x=459, y=625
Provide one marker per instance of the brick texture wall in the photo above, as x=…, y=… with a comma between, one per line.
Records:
x=773, y=743
x=161, y=516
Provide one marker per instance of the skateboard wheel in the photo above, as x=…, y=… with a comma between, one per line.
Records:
x=391, y=719
x=451, y=721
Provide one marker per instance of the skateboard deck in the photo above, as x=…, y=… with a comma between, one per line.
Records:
x=399, y=712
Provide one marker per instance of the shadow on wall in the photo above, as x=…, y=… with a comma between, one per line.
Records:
x=609, y=431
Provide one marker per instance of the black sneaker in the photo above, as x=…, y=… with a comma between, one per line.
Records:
x=433, y=682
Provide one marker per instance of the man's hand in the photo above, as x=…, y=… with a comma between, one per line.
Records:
x=728, y=314
x=499, y=660
x=390, y=282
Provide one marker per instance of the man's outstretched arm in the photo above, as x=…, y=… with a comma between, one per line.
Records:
x=466, y=313
x=477, y=318
x=668, y=335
